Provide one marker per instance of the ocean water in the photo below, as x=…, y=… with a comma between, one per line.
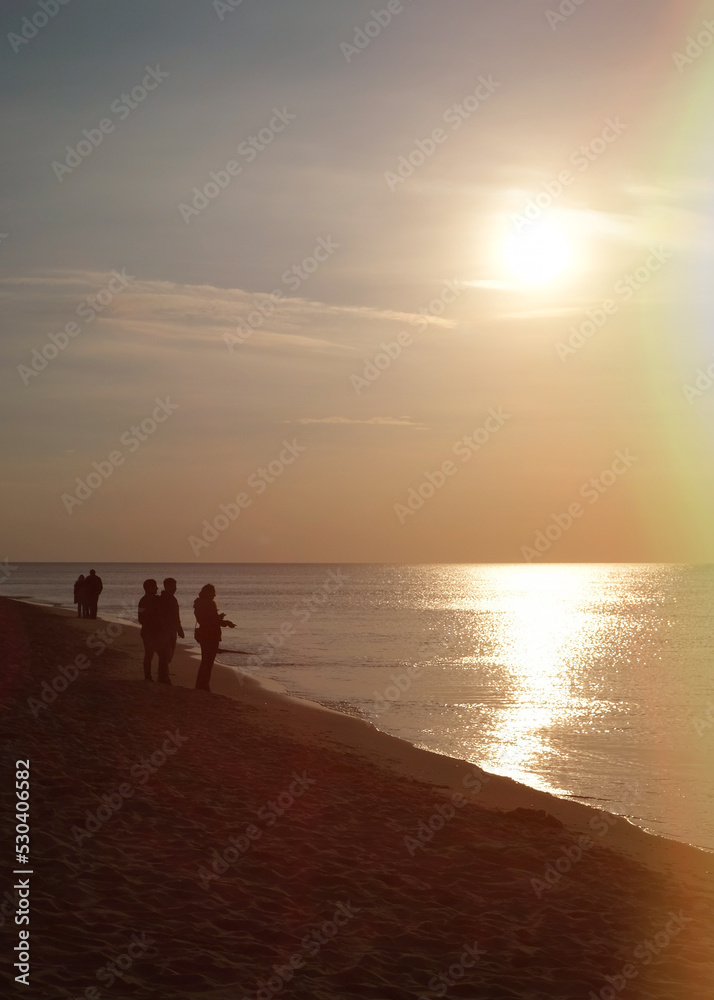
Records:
x=589, y=681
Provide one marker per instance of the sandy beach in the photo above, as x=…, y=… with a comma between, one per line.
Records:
x=245, y=844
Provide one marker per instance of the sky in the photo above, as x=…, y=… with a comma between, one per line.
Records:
x=338, y=281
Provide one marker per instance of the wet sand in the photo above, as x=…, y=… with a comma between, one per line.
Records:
x=245, y=844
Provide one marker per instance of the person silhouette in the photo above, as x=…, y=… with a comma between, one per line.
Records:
x=170, y=627
x=80, y=596
x=150, y=619
x=207, y=633
x=93, y=587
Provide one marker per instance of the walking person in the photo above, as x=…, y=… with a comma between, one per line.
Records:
x=93, y=586
x=80, y=596
x=150, y=619
x=170, y=627
x=208, y=632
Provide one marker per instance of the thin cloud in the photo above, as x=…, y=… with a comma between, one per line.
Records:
x=378, y=421
x=198, y=316
x=189, y=303
x=541, y=313
x=492, y=284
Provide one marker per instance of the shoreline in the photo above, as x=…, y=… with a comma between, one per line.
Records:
x=589, y=781
x=446, y=774
x=266, y=846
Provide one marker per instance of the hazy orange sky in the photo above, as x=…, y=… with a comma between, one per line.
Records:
x=321, y=281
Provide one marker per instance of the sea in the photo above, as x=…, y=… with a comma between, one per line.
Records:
x=593, y=682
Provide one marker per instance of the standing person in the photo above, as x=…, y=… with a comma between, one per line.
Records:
x=170, y=627
x=151, y=622
x=80, y=596
x=208, y=632
x=93, y=586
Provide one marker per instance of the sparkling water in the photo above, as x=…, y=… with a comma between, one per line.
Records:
x=593, y=681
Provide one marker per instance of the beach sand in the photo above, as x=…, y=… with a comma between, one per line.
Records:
x=245, y=844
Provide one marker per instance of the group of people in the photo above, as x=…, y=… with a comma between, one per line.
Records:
x=86, y=594
x=160, y=621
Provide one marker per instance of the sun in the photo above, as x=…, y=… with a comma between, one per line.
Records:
x=540, y=253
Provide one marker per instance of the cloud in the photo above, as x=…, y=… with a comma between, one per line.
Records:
x=159, y=310
x=544, y=313
x=379, y=421
x=492, y=284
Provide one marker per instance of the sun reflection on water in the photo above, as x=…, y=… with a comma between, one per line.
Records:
x=538, y=633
